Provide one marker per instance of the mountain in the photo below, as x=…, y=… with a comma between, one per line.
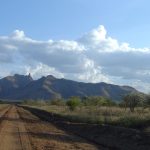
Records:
x=10, y=85
x=20, y=87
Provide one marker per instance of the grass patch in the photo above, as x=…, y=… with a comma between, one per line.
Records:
x=112, y=115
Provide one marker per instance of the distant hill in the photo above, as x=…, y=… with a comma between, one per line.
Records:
x=20, y=87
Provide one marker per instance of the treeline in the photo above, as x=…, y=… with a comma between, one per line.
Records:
x=74, y=101
x=130, y=101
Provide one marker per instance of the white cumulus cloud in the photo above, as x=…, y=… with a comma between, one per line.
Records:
x=93, y=57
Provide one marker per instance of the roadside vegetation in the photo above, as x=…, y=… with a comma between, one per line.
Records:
x=3, y=105
x=133, y=111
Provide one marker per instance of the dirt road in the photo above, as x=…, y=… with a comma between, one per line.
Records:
x=13, y=135
x=21, y=130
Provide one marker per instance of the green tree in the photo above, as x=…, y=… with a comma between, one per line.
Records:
x=73, y=103
x=147, y=101
x=132, y=100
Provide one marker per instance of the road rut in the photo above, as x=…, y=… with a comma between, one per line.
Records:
x=21, y=130
x=13, y=135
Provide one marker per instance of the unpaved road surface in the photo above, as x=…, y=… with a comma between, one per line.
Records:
x=13, y=135
x=21, y=130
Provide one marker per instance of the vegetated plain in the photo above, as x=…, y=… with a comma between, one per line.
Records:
x=97, y=110
x=77, y=123
x=102, y=115
x=124, y=125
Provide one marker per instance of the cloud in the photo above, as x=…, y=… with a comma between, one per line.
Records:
x=42, y=70
x=94, y=57
x=18, y=35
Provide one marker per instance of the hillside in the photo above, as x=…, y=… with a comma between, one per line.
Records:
x=20, y=87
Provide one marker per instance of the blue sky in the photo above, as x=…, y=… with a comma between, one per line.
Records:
x=126, y=20
x=83, y=40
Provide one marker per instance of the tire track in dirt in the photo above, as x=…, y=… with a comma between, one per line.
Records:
x=102, y=136
x=13, y=135
x=46, y=136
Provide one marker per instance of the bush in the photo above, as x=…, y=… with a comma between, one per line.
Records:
x=147, y=101
x=73, y=102
x=97, y=101
x=133, y=121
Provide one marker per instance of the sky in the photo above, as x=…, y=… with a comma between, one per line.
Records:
x=83, y=40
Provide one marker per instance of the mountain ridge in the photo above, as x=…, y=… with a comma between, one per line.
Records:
x=21, y=87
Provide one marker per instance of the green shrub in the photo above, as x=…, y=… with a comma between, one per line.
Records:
x=97, y=101
x=132, y=121
x=73, y=102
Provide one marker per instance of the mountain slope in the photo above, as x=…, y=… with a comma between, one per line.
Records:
x=19, y=87
x=10, y=85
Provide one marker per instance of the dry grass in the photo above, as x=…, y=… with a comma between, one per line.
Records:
x=2, y=106
x=104, y=115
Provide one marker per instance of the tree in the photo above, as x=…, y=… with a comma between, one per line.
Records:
x=73, y=102
x=147, y=101
x=132, y=100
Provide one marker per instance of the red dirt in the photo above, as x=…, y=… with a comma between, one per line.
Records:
x=13, y=135
x=21, y=130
